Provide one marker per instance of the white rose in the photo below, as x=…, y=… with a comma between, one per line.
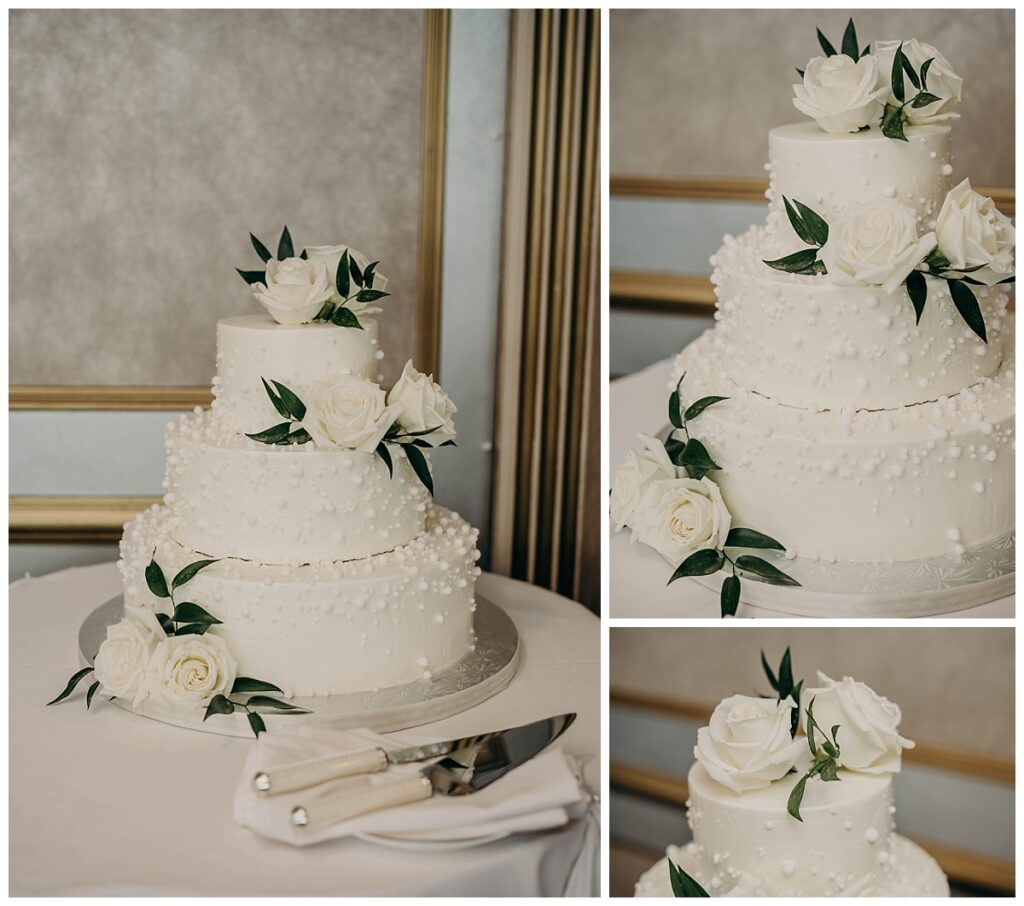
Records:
x=121, y=662
x=678, y=516
x=191, y=669
x=972, y=231
x=841, y=94
x=876, y=244
x=349, y=413
x=635, y=476
x=942, y=81
x=867, y=736
x=331, y=255
x=424, y=406
x=295, y=290
x=748, y=745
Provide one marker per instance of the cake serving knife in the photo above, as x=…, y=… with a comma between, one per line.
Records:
x=471, y=764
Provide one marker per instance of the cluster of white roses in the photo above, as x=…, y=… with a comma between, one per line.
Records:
x=878, y=243
x=665, y=509
x=748, y=746
x=351, y=413
x=296, y=289
x=844, y=95
x=138, y=660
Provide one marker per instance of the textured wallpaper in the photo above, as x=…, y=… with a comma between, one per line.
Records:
x=146, y=144
x=954, y=686
x=694, y=92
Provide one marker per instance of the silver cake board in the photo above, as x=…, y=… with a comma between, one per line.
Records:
x=898, y=588
x=483, y=672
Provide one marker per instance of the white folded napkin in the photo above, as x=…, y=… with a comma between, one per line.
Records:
x=542, y=793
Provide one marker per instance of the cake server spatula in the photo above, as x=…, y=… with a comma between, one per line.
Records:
x=301, y=774
x=472, y=764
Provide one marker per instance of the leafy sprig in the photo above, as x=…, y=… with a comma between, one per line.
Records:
x=682, y=884
x=784, y=686
x=813, y=230
x=825, y=764
x=252, y=689
x=894, y=115
x=690, y=454
x=849, y=45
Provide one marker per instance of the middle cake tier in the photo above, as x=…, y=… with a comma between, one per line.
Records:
x=233, y=497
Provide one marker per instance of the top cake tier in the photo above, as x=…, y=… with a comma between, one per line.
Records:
x=832, y=173
x=253, y=347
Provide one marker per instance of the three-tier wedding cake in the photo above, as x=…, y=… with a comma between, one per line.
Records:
x=297, y=548
x=855, y=400
x=779, y=812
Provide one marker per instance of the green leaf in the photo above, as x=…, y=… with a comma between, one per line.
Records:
x=189, y=572
x=924, y=99
x=89, y=695
x=248, y=684
x=257, y=724
x=830, y=51
x=187, y=612
x=370, y=295
x=165, y=623
x=369, y=274
x=698, y=407
x=796, y=221
x=156, y=581
x=192, y=629
x=936, y=261
x=343, y=317
x=284, y=246
x=675, y=406
x=892, y=124
x=866, y=50
x=829, y=749
x=420, y=467
x=748, y=537
x=924, y=72
x=299, y=436
x=794, y=723
x=305, y=255
x=786, y=674
x=835, y=729
x=279, y=405
x=265, y=701
x=696, y=456
x=674, y=448
x=294, y=407
x=730, y=596
x=796, y=797
x=682, y=884
x=850, y=43
x=897, y=74
x=272, y=435
x=355, y=272
x=219, y=705
x=325, y=311
x=800, y=73
x=817, y=229
x=773, y=682
x=252, y=277
x=385, y=454
x=828, y=771
x=967, y=305
x=802, y=262
x=764, y=571
x=70, y=687
x=341, y=278
x=261, y=249
x=910, y=74
x=917, y=289
x=700, y=563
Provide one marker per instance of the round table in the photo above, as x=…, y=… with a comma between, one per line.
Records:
x=108, y=803
x=637, y=575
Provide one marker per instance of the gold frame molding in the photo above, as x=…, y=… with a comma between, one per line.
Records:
x=79, y=520
x=671, y=293
x=124, y=398
x=959, y=864
x=736, y=189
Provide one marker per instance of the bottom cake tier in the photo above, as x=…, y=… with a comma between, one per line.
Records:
x=866, y=485
x=326, y=629
x=747, y=844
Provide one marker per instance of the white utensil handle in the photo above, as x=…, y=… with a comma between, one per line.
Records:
x=342, y=806
x=300, y=774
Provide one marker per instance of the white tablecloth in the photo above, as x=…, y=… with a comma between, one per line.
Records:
x=637, y=575
x=108, y=803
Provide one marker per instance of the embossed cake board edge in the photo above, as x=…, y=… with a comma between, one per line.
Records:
x=483, y=673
